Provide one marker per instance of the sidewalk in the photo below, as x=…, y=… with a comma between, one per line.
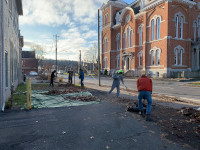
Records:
x=161, y=79
x=179, y=103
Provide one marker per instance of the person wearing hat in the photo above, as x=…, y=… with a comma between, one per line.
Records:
x=52, y=78
x=144, y=86
x=116, y=81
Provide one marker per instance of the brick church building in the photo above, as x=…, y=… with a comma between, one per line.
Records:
x=159, y=36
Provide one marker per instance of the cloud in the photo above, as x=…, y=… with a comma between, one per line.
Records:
x=46, y=12
x=74, y=19
x=59, y=12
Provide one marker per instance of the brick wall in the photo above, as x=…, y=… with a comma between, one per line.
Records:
x=167, y=42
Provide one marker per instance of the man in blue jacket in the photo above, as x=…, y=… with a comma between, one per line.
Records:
x=81, y=76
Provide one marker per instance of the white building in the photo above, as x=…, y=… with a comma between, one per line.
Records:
x=10, y=47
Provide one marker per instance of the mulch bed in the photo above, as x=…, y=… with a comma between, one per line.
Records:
x=64, y=89
x=82, y=98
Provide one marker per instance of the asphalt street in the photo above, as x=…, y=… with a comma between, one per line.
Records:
x=92, y=127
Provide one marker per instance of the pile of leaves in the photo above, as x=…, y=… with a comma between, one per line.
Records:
x=82, y=98
x=66, y=85
x=66, y=91
x=181, y=125
x=193, y=115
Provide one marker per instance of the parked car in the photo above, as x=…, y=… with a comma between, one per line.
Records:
x=33, y=73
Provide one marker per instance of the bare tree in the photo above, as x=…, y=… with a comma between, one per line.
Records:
x=91, y=54
x=39, y=52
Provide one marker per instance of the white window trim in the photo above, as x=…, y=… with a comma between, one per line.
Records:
x=139, y=55
x=152, y=57
x=106, y=45
x=140, y=31
x=118, y=40
x=158, y=28
x=105, y=62
x=178, y=52
x=152, y=30
x=176, y=26
x=118, y=61
x=131, y=38
x=178, y=17
x=128, y=37
x=181, y=26
x=195, y=30
x=198, y=23
x=106, y=19
x=124, y=41
x=154, y=49
x=157, y=51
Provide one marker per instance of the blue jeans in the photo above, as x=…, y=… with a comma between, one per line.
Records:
x=147, y=96
x=115, y=85
x=82, y=85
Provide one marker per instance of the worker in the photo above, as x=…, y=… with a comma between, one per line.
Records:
x=52, y=78
x=81, y=76
x=144, y=86
x=116, y=81
x=70, y=72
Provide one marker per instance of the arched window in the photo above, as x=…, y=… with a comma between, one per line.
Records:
x=118, y=39
x=124, y=40
x=158, y=28
x=181, y=27
x=198, y=29
x=152, y=57
x=103, y=46
x=176, y=57
x=176, y=27
x=140, y=35
x=106, y=19
x=153, y=30
x=106, y=45
x=195, y=31
x=128, y=37
x=106, y=62
x=131, y=38
x=157, y=57
x=118, y=61
x=140, y=57
x=181, y=57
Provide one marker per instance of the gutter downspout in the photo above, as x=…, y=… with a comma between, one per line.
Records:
x=3, y=58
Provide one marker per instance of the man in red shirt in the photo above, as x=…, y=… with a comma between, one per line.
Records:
x=144, y=86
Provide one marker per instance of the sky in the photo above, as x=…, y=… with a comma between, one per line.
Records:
x=74, y=21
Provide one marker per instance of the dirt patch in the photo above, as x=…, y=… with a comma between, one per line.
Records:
x=82, y=98
x=181, y=125
x=66, y=91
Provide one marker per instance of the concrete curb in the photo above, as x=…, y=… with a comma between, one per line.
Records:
x=184, y=99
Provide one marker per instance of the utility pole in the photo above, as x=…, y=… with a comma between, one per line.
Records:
x=99, y=66
x=80, y=59
x=2, y=65
x=56, y=54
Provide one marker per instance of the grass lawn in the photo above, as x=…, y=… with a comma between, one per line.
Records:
x=196, y=83
x=19, y=95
